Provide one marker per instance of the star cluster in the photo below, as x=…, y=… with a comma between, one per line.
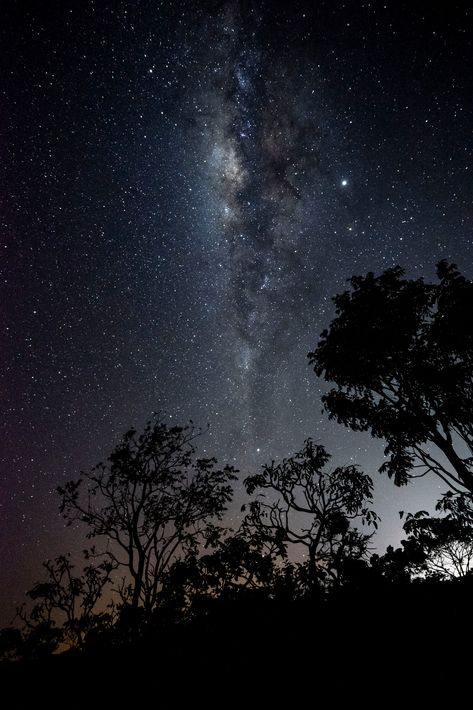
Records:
x=185, y=186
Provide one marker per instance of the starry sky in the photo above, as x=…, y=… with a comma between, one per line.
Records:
x=184, y=186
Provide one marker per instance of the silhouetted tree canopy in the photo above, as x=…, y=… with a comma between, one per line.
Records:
x=188, y=580
x=312, y=506
x=238, y=564
x=400, y=354
x=153, y=502
x=442, y=546
x=64, y=603
x=11, y=642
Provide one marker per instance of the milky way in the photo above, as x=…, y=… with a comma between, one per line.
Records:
x=265, y=157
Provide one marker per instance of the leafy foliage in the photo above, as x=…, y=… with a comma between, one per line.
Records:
x=314, y=507
x=153, y=502
x=400, y=353
x=235, y=566
x=443, y=544
x=64, y=609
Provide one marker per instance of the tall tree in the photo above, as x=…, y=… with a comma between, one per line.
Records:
x=153, y=502
x=302, y=502
x=400, y=354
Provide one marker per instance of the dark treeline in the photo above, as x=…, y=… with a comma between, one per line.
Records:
x=167, y=594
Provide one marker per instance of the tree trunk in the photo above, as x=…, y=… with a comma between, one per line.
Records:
x=138, y=585
x=446, y=447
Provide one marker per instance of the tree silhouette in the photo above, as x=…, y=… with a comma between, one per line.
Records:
x=236, y=565
x=153, y=502
x=442, y=545
x=313, y=507
x=400, y=353
x=64, y=608
x=11, y=644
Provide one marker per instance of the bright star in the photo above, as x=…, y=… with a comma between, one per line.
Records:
x=344, y=183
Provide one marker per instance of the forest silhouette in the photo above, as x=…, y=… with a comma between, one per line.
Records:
x=170, y=600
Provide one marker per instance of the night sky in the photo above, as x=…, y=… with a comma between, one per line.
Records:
x=184, y=186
